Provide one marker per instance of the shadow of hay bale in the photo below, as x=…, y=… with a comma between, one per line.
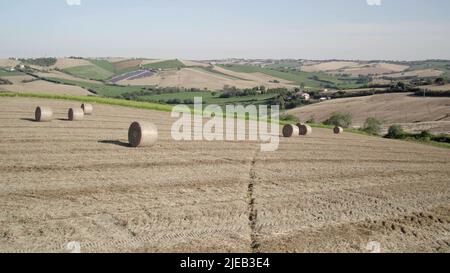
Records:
x=29, y=119
x=115, y=142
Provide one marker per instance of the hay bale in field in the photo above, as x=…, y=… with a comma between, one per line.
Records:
x=75, y=114
x=304, y=130
x=43, y=113
x=142, y=134
x=87, y=108
x=338, y=130
x=290, y=130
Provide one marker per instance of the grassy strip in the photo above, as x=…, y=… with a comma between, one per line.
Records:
x=93, y=99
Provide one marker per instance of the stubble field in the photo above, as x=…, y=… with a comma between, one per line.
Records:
x=78, y=181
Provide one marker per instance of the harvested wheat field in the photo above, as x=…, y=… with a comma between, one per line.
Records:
x=445, y=87
x=424, y=73
x=355, y=68
x=63, y=63
x=78, y=181
x=194, y=78
x=8, y=63
x=390, y=108
x=189, y=63
x=65, y=76
x=328, y=66
x=41, y=86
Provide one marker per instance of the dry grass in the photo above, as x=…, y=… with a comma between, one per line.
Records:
x=123, y=65
x=63, y=63
x=194, y=63
x=8, y=63
x=425, y=73
x=18, y=79
x=42, y=87
x=354, y=68
x=328, y=66
x=144, y=62
x=444, y=87
x=61, y=75
x=115, y=59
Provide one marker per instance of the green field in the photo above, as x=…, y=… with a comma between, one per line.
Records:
x=210, y=98
x=4, y=73
x=165, y=65
x=285, y=64
x=92, y=72
x=104, y=64
x=311, y=80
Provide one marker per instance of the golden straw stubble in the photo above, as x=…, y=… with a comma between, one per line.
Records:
x=142, y=134
x=75, y=114
x=43, y=114
x=290, y=130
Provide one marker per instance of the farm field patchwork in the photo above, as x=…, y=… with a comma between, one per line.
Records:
x=311, y=80
x=200, y=78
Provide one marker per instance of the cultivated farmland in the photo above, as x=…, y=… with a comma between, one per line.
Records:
x=404, y=108
x=40, y=86
x=77, y=181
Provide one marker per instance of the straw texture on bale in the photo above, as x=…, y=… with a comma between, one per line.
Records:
x=142, y=134
x=75, y=114
x=338, y=130
x=87, y=108
x=43, y=114
x=290, y=130
x=304, y=130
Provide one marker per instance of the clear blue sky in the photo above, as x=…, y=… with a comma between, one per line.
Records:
x=207, y=29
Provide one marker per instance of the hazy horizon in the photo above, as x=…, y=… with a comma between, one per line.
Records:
x=203, y=30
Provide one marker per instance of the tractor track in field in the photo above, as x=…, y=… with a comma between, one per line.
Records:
x=252, y=211
x=135, y=243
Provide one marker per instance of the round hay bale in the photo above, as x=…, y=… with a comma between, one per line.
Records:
x=304, y=130
x=87, y=108
x=142, y=134
x=338, y=130
x=290, y=130
x=75, y=114
x=43, y=113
